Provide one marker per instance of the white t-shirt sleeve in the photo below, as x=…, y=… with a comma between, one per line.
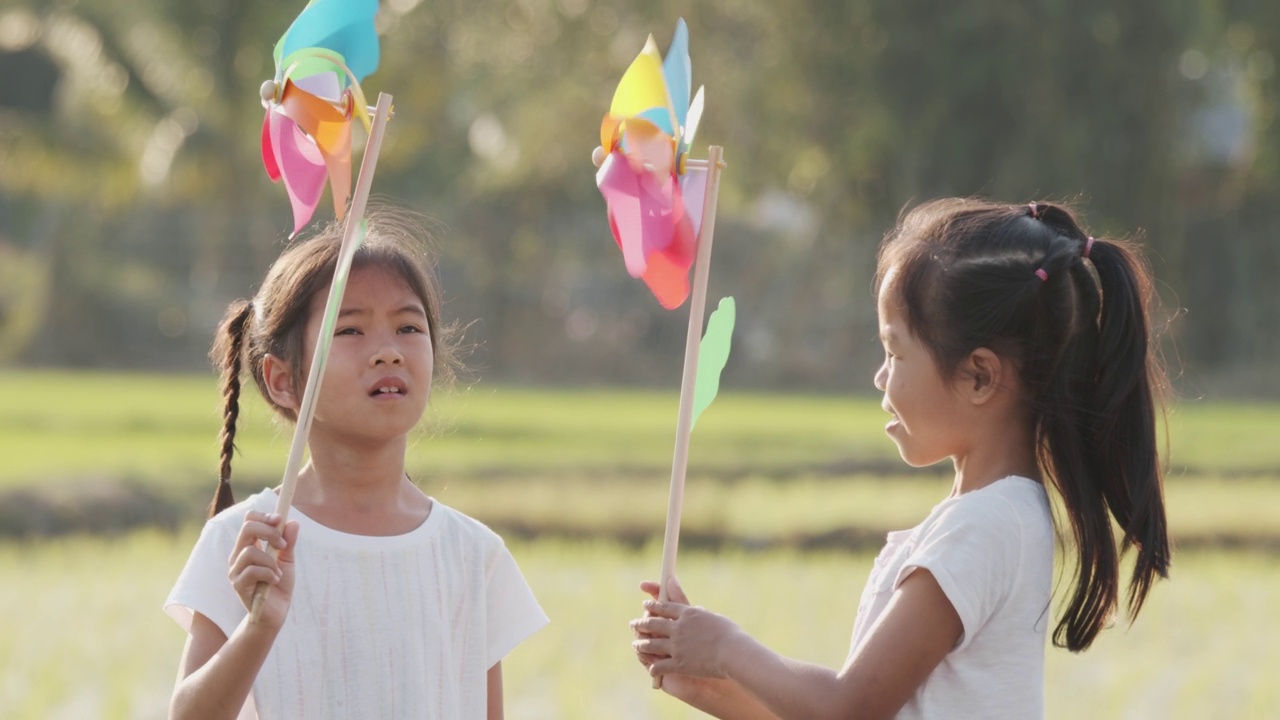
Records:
x=512, y=612
x=972, y=551
x=202, y=586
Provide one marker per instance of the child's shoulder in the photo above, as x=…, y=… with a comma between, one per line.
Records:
x=462, y=527
x=1012, y=503
x=233, y=517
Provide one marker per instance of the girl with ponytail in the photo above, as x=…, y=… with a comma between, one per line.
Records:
x=1019, y=347
x=383, y=602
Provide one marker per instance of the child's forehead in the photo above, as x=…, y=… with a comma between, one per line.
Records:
x=379, y=274
x=372, y=284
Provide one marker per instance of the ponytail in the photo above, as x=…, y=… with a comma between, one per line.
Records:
x=1097, y=430
x=1129, y=382
x=227, y=357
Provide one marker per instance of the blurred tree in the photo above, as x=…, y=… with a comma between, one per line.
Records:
x=129, y=164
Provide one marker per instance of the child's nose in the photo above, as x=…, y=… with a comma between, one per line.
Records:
x=387, y=354
x=881, y=375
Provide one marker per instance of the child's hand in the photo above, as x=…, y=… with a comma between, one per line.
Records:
x=680, y=642
x=251, y=564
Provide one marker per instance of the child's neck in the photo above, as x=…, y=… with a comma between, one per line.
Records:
x=1009, y=451
x=362, y=491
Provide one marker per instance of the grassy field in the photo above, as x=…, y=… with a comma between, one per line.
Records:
x=162, y=429
x=84, y=635
x=581, y=463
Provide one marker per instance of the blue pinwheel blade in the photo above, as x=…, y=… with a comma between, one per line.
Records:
x=343, y=26
x=678, y=73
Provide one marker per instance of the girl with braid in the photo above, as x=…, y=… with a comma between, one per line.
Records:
x=383, y=602
x=1018, y=347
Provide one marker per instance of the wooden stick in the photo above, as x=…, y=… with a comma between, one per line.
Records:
x=692, y=163
x=684, y=423
x=351, y=239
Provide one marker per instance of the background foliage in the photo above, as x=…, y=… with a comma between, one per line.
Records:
x=133, y=205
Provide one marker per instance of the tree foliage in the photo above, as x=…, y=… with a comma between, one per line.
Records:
x=133, y=174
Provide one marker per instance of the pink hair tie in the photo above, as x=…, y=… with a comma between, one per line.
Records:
x=1044, y=276
x=1035, y=210
x=1087, y=247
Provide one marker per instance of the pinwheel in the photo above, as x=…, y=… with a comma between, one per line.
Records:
x=662, y=207
x=654, y=202
x=306, y=136
x=313, y=99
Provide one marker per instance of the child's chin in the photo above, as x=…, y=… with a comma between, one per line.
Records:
x=915, y=460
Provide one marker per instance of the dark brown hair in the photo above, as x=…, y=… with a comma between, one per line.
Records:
x=1016, y=279
x=275, y=320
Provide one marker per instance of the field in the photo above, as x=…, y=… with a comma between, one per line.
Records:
x=787, y=499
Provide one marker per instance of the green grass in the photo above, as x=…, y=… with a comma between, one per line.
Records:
x=85, y=636
x=161, y=429
x=763, y=467
x=758, y=509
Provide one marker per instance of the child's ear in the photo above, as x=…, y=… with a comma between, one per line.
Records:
x=982, y=374
x=279, y=381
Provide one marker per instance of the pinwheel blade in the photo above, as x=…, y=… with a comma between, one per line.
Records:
x=678, y=73
x=345, y=27
x=301, y=165
x=268, y=150
x=642, y=88
x=693, y=186
x=670, y=252
x=327, y=126
x=692, y=120
x=622, y=191
x=339, y=166
x=326, y=84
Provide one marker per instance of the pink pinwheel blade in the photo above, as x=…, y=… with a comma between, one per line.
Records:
x=269, y=150
x=635, y=227
x=301, y=165
x=648, y=218
x=667, y=274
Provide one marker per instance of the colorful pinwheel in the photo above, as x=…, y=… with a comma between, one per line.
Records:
x=654, y=201
x=662, y=209
x=306, y=134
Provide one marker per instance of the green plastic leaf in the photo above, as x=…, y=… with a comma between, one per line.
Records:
x=713, y=354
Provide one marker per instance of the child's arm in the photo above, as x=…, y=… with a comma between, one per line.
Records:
x=216, y=672
x=495, y=692
x=917, y=630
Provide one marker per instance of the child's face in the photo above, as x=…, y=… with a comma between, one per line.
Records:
x=378, y=378
x=924, y=406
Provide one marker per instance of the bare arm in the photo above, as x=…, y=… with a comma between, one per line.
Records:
x=495, y=691
x=216, y=673
x=917, y=630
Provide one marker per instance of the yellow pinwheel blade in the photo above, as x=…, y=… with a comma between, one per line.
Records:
x=643, y=86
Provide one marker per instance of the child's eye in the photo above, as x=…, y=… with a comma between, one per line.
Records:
x=410, y=329
x=346, y=331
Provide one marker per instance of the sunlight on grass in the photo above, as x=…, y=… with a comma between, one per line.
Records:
x=86, y=637
x=1204, y=646
x=63, y=427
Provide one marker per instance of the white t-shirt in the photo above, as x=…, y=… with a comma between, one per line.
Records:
x=405, y=626
x=991, y=551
